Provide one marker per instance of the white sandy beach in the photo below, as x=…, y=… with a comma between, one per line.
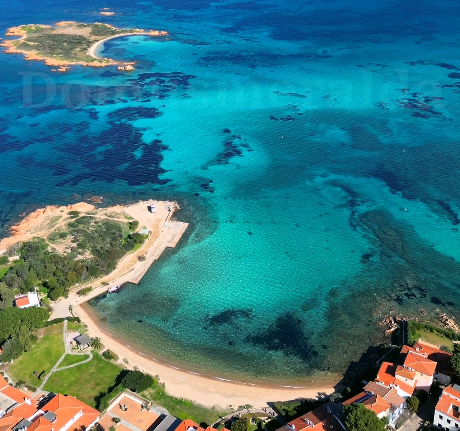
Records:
x=206, y=391
x=164, y=233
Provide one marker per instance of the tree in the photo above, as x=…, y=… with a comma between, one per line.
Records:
x=455, y=361
x=359, y=418
x=137, y=381
x=6, y=296
x=413, y=404
x=11, y=349
x=96, y=343
x=241, y=424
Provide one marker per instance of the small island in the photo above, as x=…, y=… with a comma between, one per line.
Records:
x=68, y=43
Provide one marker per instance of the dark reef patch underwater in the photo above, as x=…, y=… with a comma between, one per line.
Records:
x=313, y=147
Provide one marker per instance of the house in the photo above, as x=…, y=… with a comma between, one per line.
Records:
x=414, y=372
x=324, y=418
x=60, y=413
x=447, y=411
x=151, y=208
x=395, y=376
x=83, y=341
x=28, y=300
x=383, y=400
x=443, y=372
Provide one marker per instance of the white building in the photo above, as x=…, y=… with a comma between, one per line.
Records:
x=28, y=300
x=447, y=412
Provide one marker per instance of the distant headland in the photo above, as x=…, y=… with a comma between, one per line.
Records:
x=69, y=43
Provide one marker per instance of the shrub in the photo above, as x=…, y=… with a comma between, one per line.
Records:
x=84, y=291
x=3, y=260
x=241, y=424
x=413, y=404
x=137, y=381
x=109, y=355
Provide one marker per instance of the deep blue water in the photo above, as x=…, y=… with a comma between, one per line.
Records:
x=313, y=147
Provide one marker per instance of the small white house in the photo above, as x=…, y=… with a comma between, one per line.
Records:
x=447, y=412
x=28, y=300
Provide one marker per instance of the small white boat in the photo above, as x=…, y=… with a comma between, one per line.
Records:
x=114, y=288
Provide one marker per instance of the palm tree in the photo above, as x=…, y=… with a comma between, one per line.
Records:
x=96, y=343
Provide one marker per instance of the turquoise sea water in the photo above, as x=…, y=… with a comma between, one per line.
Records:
x=313, y=147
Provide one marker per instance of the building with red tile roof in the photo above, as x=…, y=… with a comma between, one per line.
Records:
x=383, y=400
x=189, y=425
x=61, y=413
x=28, y=300
x=387, y=376
x=327, y=417
x=447, y=411
x=443, y=372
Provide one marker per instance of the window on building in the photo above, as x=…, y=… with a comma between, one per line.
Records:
x=456, y=425
x=440, y=416
x=448, y=421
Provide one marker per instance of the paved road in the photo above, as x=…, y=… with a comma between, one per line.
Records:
x=416, y=422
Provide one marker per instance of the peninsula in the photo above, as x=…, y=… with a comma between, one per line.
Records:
x=92, y=248
x=68, y=43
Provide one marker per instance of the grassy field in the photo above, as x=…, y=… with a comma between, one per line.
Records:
x=72, y=359
x=40, y=357
x=183, y=409
x=433, y=338
x=85, y=381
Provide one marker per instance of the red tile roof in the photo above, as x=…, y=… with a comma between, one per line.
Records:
x=7, y=423
x=40, y=424
x=319, y=419
x=387, y=374
x=23, y=411
x=419, y=363
x=405, y=373
x=372, y=402
x=446, y=403
x=450, y=390
x=388, y=394
x=22, y=301
x=66, y=407
x=14, y=394
x=3, y=382
x=431, y=351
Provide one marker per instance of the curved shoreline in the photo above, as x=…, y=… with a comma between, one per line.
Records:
x=92, y=50
x=208, y=391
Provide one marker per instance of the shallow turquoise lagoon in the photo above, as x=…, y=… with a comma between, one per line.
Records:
x=313, y=147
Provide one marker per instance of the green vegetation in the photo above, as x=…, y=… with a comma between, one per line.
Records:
x=455, y=361
x=293, y=409
x=3, y=260
x=39, y=360
x=6, y=297
x=69, y=43
x=109, y=355
x=137, y=381
x=96, y=343
x=431, y=334
x=73, y=359
x=241, y=424
x=16, y=329
x=359, y=418
x=413, y=404
x=84, y=291
x=182, y=408
x=97, y=374
x=97, y=246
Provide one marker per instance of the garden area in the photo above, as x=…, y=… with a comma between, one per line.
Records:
x=85, y=381
x=37, y=362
